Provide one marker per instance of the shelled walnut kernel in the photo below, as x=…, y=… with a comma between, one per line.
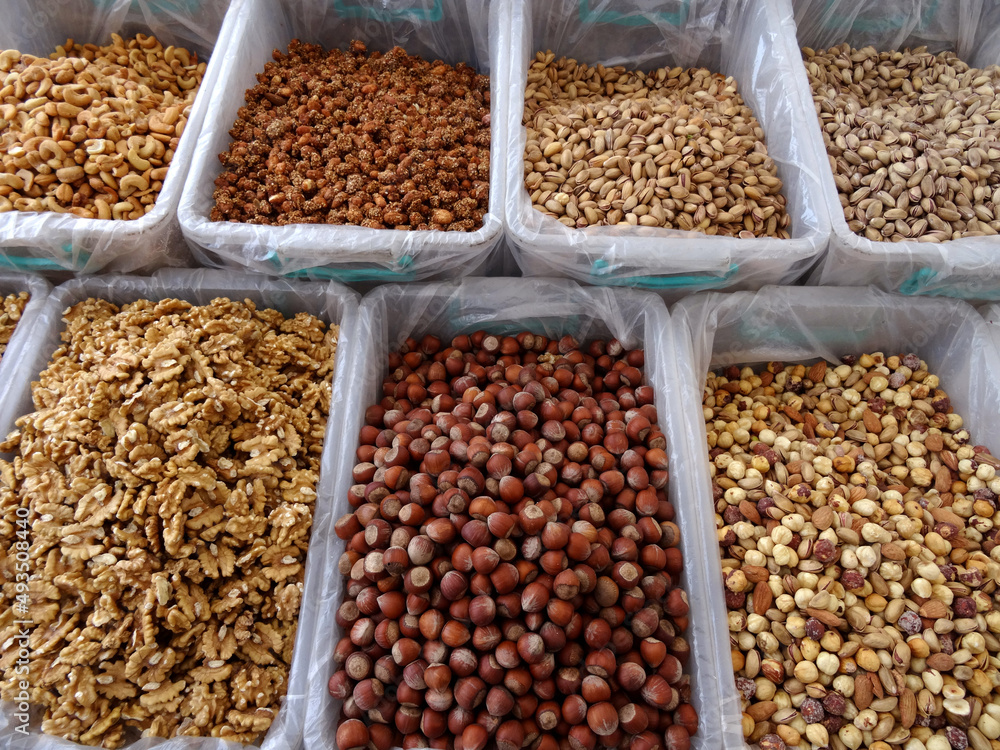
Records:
x=858, y=527
x=11, y=309
x=346, y=137
x=156, y=517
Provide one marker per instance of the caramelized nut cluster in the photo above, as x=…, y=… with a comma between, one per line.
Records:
x=512, y=559
x=344, y=137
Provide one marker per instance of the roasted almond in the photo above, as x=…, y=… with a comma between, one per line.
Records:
x=932, y=609
x=907, y=708
x=817, y=372
x=749, y=511
x=862, y=691
x=892, y=551
x=872, y=421
x=762, y=598
x=940, y=662
x=822, y=517
x=762, y=710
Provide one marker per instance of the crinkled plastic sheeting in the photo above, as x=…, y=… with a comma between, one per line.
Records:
x=806, y=324
x=741, y=39
x=992, y=315
x=553, y=308
x=38, y=290
x=450, y=30
x=967, y=268
x=332, y=303
x=48, y=241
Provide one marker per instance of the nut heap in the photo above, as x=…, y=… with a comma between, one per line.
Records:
x=672, y=148
x=859, y=534
x=380, y=140
x=10, y=313
x=912, y=140
x=156, y=517
x=512, y=560
x=91, y=130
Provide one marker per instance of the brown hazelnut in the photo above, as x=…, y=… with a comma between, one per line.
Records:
x=602, y=718
x=352, y=735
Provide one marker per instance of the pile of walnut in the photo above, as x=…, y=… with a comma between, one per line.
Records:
x=344, y=137
x=92, y=130
x=10, y=313
x=858, y=525
x=168, y=477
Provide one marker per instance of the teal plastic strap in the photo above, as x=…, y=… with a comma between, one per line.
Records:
x=352, y=275
x=599, y=276
x=917, y=285
x=20, y=263
x=31, y=263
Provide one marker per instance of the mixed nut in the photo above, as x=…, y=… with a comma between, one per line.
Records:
x=11, y=309
x=858, y=524
x=670, y=148
x=91, y=130
x=156, y=518
x=912, y=140
x=347, y=137
x=512, y=561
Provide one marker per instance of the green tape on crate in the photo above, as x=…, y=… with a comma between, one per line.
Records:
x=916, y=286
x=883, y=24
x=674, y=18
x=31, y=263
x=352, y=275
x=600, y=269
x=176, y=6
x=346, y=9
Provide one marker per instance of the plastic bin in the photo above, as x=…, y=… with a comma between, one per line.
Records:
x=806, y=324
x=49, y=241
x=742, y=39
x=967, y=268
x=451, y=30
x=329, y=301
x=38, y=290
x=554, y=308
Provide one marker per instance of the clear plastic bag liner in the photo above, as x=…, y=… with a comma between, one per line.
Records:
x=966, y=268
x=332, y=303
x=805, y=325
x=450, y=30
x=49, y=241
x=991, y=313
x=38, y=291
x=552, y=308
x=741, y=39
